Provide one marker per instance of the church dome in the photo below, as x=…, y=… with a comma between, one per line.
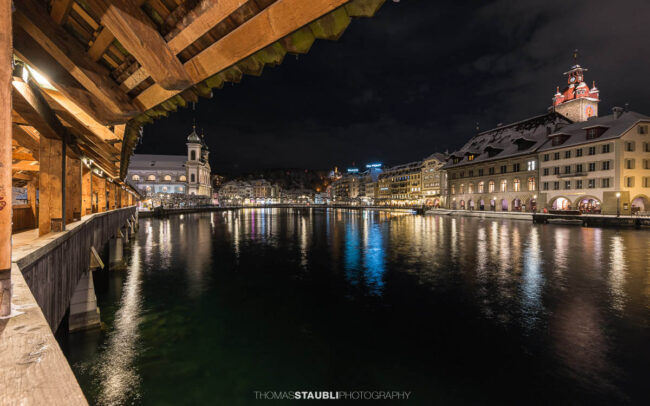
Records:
x=194, y=137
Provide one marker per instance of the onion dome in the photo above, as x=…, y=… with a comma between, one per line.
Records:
x=194, y=137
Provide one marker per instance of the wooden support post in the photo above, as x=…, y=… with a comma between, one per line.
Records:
x=86, y=191
x=111, y=195
x=32, y=186
x=73, y=190
x=6, y=49
x=101, y=194
x=50, y=181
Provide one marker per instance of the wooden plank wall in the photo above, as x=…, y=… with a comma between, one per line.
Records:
x=53, y=271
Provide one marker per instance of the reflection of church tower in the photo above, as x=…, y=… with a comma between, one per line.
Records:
x=577, y=101
x=192, y=166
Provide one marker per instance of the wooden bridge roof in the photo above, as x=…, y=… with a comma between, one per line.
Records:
x=93, y=72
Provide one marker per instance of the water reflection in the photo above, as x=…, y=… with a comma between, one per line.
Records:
x=472, y=297
x=117, y=376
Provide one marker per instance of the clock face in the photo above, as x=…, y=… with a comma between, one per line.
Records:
x=589, y=110
x=572, y=79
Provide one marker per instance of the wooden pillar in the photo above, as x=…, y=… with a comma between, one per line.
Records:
x=50, y=182
x=31, y=197
x=73, y=189
x=86, y=191
x=111, y=195
x=5, y=157
x=101, y=194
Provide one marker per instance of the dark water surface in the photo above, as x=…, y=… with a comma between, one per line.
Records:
x=215, y=306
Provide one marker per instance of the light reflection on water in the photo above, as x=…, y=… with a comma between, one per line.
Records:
x=481, y=297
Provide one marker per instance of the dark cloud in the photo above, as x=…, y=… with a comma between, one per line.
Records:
x=417, y=78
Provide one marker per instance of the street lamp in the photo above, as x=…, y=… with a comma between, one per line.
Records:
x=618, y=204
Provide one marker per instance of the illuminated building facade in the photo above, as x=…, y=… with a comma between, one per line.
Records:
x=433, y=178
x=401, y=185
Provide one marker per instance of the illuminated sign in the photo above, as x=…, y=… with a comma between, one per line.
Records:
x=353, y=170
x=375, y=165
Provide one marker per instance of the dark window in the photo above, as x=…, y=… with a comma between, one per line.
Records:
x=515, y=167
x=579, y=168
x=556, y=170
x=604, y=182
x=480, y=172
x=471, y=173
x=556, y=185
x=605, y=165
x=192, y=155
x=592, y=150
x=546, y=171
x=545, y=185
x=546, y=157
x=605, y=148
x=504, y=169
x=491, y=171
x=579, y=184
x=592, y=166
x=192, y=176
x=556, y=156
x=567, y=169
x=591, y=183
x=579, y=152
x=567, y=184
x=567, y=154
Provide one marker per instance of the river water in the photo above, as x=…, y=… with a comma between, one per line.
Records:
x=455, y=310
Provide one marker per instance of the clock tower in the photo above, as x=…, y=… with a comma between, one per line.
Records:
x=577, y=101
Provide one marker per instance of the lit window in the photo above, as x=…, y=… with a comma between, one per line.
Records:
x=470, y=158
x=168, y=178
x=491, y=186
x=151, y=177
x=532, y=165
x=481, y=187
x=135, y=177
x=517, y=185
x=504, y=185
x=531, y=184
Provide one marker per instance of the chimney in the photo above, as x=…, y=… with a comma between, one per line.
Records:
x=617, y=111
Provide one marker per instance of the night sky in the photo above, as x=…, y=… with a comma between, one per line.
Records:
x=415, y=79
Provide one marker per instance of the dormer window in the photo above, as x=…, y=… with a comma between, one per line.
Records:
x=470, y=157
x=595, y=132
x=559, y=139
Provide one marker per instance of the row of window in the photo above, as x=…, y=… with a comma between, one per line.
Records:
x=167, y=178
x=604, y=149
x=578, y=184
x=530, y=166
x=577, y=168
x=491, y=186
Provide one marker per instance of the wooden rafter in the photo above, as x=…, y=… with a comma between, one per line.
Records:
x=60, y=9
x=271, y=24
x=31, y=105
x=27, y=166
x=25, y=139
x=34, y=20
x=134, y=30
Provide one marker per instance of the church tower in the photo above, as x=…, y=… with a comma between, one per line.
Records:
x=193, y=163
x=577, y=101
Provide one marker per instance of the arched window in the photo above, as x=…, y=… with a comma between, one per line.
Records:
x=192, y=178
x=470, y=188
x=504, y=185
x=491, y=186
x=462, y=188
x=135, y=177
x=182, y=178
x=192, y=155
x=164, y=189
x=481, y=187
x=516, y=185
x=151, y=177
x=168, y=178
x=148, y=188
x=453, y=189
x=531, y=184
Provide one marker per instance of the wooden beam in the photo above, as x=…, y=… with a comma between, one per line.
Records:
x=135, y=31
x=86, y=191
x=31, y=52
x=27, y=166
x=5, y=157
x=73, y=190
x=103, y=40
x=50, y=184
x=22, y=156
x=208, y=14
x=60, y=10
x=271, y=24
x=20, y=175
x=60, y=102
x=31, y=105
x=31, y=16
x=25, y=139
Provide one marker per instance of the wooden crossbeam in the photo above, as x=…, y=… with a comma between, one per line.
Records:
x=31, y=16
x=60, y=9
x=103, y=40
x=135, y=31
x=26, y=166
x=31, y=52
x=21, y=176
x=25, y=139
x=22, y=156
x=208, y=15
x=271, y=24
x=30, y=104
